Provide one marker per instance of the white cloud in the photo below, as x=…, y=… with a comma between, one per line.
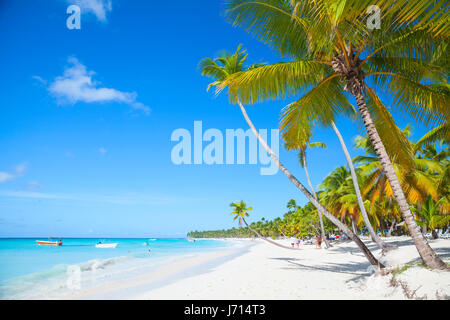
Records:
x=40, y=80
x=102, y=150
x=98, y=7
x=28, y=194
x=5, y=176
x=33, y=185
x=77, y=85
x=151, y=199
x=18, y=171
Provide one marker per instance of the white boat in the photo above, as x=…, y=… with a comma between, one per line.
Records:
x=106, y=245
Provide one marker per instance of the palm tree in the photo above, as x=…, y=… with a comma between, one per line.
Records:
x=365, y=217
x=303, y=133
x=302, y=159
x=418, y=182
x=291, y=205
x=240, y=211
x=235, y=64
x=336, y=192
x=335, y=55
x=430, y=217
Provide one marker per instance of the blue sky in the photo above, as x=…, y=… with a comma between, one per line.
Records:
x=86, y=118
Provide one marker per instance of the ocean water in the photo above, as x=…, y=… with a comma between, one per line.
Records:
x=30, y=271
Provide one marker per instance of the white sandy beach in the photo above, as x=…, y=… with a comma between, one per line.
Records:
x=265, y=271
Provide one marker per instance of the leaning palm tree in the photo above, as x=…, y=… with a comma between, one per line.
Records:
x=240, y=212
x=304, y=133
x=302, y=159
x=359, y=198
x=225, y=67
x=336, y=57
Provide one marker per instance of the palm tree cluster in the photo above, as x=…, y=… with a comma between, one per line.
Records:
x=426, y=188
x=338, y=67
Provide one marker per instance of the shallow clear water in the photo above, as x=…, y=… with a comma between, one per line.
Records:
x=28, y=270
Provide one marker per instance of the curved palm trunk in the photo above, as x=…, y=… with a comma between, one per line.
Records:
x=429, y=257
x=268, y=240
x=372, y=233
x=391, y=228
x=310, y=197
x=322, y=229
x=354, y=227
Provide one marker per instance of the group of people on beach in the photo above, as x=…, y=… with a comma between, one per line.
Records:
x=296, y=241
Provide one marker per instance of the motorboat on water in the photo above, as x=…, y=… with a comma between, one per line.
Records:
x=106, y=245
x=49, y=243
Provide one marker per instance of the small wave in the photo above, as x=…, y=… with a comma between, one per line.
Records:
x=42, y=284
x=95, y=264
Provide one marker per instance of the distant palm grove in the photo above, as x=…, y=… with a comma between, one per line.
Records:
x=337, y=65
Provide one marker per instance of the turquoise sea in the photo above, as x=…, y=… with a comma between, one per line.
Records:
x=28, y=270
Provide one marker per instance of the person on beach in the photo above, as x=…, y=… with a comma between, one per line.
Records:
x=298, y=242
x=318, y=242
x=293, y=241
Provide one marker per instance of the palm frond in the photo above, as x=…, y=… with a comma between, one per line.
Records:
x=276, y=81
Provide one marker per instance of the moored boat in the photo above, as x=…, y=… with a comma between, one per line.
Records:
x=49, y=243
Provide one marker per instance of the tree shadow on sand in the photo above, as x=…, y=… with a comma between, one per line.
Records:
x=353, y=268
x=359, y=269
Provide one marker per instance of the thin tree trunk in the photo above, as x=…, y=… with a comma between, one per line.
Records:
x=355, y=229
x=391, y=228
x=434, y=234
x=322, y=230
x=310, y=197
x=373, y=235
x=424, y=230
x=429, y=257
x=268, y=240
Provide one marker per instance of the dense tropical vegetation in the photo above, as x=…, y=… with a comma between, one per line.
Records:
x=335, y=59
x=427, y=188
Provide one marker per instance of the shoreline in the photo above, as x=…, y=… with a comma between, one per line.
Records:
x=166, y=273
x=253, y=269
